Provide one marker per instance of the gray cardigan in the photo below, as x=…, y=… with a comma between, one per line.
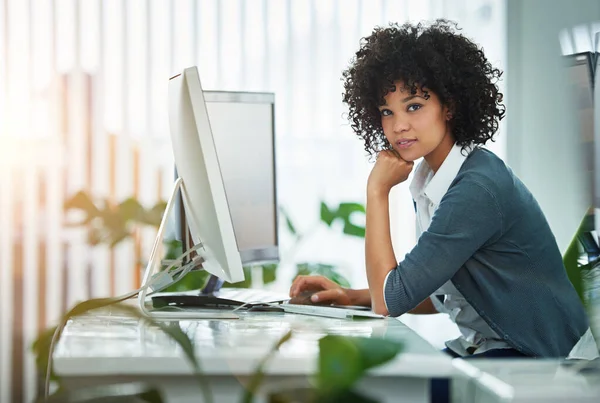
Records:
x=491, y=239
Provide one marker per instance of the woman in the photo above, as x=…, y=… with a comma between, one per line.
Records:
x=485, y=254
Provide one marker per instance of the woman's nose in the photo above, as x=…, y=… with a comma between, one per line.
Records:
x=400, y=124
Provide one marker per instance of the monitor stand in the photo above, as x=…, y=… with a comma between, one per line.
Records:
x=155, y=260
x=213, y=285
x=212, y=296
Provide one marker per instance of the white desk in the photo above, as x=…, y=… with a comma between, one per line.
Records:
x=102, y=349
x=523, y=381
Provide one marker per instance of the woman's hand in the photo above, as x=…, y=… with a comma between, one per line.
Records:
x=389, y=170
x=324, y=290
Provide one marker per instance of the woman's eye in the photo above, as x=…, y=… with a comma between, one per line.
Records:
x=385, y=112
x=414, y=107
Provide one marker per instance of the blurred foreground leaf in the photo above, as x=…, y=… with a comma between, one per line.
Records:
x=571, y=257
x=44, y=348
x=311, y=395
x=343, y=360
x=259, y=374
x=121, y=393
x=288, y=221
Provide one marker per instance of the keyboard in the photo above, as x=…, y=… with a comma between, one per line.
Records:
x=339, y=312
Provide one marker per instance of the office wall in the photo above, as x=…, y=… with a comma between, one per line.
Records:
x=543, y=145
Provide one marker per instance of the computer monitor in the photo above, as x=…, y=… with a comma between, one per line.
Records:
x=242, y=125
x=202, y=190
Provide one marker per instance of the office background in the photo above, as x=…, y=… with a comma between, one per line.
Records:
x=83, y=88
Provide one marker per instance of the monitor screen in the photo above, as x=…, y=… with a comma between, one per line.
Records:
x=243, y=130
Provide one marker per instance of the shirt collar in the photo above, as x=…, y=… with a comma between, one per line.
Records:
x=434, y=187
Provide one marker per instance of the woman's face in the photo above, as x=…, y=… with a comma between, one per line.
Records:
x=416, y=126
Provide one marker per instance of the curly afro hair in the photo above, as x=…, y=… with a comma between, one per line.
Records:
x=434, y=58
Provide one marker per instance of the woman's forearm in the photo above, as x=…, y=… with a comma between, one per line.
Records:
x=379, y=253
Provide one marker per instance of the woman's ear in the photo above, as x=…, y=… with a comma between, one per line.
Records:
x=448, y=109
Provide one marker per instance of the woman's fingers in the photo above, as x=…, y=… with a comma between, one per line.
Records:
x=308, y=283
x=335, y=296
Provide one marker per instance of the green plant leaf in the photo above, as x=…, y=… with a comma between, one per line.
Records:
x=570, y=261
x=117, y=235
x=43, y=346
x=246, y=283
x=130, y=209
x=346, y=396
x=343, y=360
x=174, y=249
x=354, y=230
x=153, y=216
x=288, y=221
x=572, y=267
x=376, y=351
x=269, y=273
x=94, y=236
x=345, y=212
x=327, y=215
x=259, y=373
x=194, y=280
x=175, y=332
x=119, y=393
x=111, y=223
x=312, y=395
x=348, y=208
x=339, y=364
x=41, y=349
x=82, y=201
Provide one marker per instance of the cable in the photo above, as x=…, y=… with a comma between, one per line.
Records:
x=184, y=270
x=179, y=260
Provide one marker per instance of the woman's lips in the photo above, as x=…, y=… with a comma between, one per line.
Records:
x=404, y=144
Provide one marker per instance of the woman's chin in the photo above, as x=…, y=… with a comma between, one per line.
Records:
x=409, y=155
